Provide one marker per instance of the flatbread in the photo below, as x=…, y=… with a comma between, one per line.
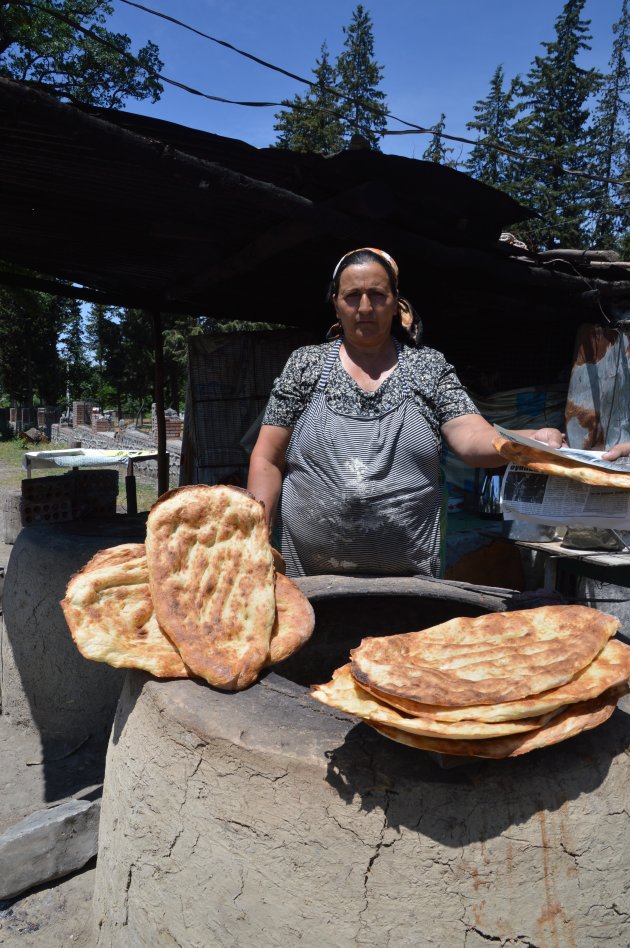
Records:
x=279, y=561
x=294, y=621
x=212, y=580
x=344, y=694
x=544, y=463
x=109, y=611
x=575, y=719
x=611, y=667
x=110, y=614
x=502, y=656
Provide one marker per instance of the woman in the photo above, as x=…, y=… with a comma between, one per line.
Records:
x=348, y=456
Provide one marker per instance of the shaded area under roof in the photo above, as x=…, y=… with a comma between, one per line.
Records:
x=154, y=214
x=151, y=214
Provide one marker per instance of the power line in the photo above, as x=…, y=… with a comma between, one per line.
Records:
x=58, y=15
x=486, y=143
x=412, y=127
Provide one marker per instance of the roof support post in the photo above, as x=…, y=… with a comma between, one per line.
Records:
x=158, y=348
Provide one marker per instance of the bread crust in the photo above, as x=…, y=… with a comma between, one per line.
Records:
x=294, y=621
x=611, y=667
x=346, y=695
x=212, y=580
x=109, y=612
x=543, y=463
x=502, y=656
x=575, y=719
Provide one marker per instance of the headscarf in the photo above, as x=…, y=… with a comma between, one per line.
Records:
x=379, y=253
x=406, y=325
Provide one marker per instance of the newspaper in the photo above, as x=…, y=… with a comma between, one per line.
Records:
x=542, y=498
x=593, y=458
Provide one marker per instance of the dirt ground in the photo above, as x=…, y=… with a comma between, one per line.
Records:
x=54, y=915
x=60, y=913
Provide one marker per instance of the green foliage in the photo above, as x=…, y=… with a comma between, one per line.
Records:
x=123, y=347
x=175, y=340
x=79, y=372
x=31, y=369
x=48, y=50
x=436, y=150
x=610, y=204
x=323, y=122
x=553, y=125
x=493, y=121
x=311, y=123
x=574, y=118
x=359, y=77
x=122, y=343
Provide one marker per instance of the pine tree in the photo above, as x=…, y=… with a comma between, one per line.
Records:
x=30, y=366
x=612, y=140
x=554, y=126
x=359, y=76
x=494, y=117
x=311, y=122
x=436, y=150
x=71, y=346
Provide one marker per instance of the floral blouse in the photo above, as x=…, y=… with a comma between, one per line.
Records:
x=431, y=380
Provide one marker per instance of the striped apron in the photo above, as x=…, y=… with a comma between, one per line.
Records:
x=361, y=496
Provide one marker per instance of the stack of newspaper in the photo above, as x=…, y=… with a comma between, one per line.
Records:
x=544, y=498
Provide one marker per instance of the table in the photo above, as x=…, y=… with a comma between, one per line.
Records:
x=75, y=458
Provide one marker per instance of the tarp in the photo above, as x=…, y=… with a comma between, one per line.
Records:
x=229, y=381
x=83, y=457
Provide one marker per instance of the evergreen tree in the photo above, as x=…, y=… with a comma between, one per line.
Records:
x=310, y=122
x=436, y=150
x=176, y=337
x=554, y=126
x=494, y=117
x=31, y=369
x=46, y=50
x=72, y=349
x=612, y=139
x=359, y=76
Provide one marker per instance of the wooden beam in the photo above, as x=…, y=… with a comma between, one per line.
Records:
x=88, y=295
x=158, y=348
x=450, y=260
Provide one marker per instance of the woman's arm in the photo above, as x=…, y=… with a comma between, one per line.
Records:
x=266, y=467
x=470, y=437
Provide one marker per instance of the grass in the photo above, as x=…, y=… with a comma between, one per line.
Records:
x=12, y=473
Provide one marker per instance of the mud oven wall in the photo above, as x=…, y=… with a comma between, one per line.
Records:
x=263, y=818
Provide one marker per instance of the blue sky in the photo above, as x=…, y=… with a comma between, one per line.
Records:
x=438, y=55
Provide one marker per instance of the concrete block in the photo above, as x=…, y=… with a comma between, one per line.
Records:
x=47, y=845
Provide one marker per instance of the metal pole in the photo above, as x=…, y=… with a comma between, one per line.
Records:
x=158, y=348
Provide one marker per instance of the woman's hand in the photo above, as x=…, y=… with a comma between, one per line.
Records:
x=551, y=436
x=621, y=450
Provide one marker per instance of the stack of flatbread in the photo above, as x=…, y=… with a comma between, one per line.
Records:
x=498, y=685
x=543, y=462
x=201, y=599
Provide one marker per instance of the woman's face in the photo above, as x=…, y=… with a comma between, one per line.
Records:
x=365, y=305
